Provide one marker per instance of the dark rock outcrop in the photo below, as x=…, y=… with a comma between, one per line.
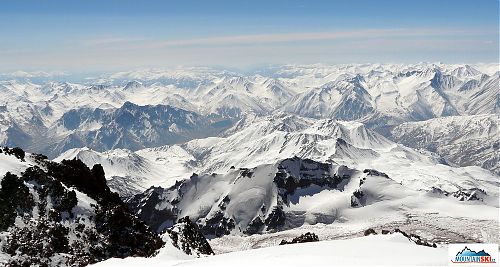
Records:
x=59, y=225
x=416, y=239
x=375, y=173
x=144, y=206
x=307, y=237
x=16, y=151
x=187, y=237
x=461, y=194
x=370, y=231
x=358, y=198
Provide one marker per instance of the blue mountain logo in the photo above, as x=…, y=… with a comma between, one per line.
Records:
x=470, y=256
x=467, y=252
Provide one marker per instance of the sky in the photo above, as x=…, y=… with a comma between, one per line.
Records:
x=95, y=35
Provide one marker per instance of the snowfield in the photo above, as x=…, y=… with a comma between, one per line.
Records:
x=379, y=250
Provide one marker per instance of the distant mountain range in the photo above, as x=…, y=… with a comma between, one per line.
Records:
x=141, y=109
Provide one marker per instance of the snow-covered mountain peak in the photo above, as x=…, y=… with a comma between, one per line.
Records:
x=73, y=153
x=429, y=71
x=278, y=122
x=353, y=132
x=132, y=85
x=465, y=71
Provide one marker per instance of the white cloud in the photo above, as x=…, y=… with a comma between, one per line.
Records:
x=253, y=39
x=309, y=36
x=110, y=41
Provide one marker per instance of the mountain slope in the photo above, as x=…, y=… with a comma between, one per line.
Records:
x=129, y=172
x=131, y=127
x=463, y=140
x=242, y=200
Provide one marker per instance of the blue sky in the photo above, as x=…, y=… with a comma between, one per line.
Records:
x=90, y=35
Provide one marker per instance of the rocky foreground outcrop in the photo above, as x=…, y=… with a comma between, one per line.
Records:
x=64, y=214
x=186, y=236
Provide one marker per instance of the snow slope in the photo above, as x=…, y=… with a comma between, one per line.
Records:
x=386, y=250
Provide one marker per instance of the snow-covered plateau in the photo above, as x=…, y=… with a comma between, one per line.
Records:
x=357, y=164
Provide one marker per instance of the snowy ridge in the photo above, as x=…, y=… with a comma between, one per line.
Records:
x=130, y=172
x=276, y=137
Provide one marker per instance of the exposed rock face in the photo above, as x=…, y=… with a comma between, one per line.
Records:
x=217, y=224
x=63, y=214
x=187, y=237
x=469, y=194
x=246, y=200
x=375, y=173
x=307, y=237
x=310, y=172
x=296, y=173
x=462, y=194
x=359, y=198
x=416, y=239
x=412, y=237
x=16, y=151
x=370, y=231
x=144, y=206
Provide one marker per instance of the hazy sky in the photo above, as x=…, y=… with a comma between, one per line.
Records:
x=89, y=35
